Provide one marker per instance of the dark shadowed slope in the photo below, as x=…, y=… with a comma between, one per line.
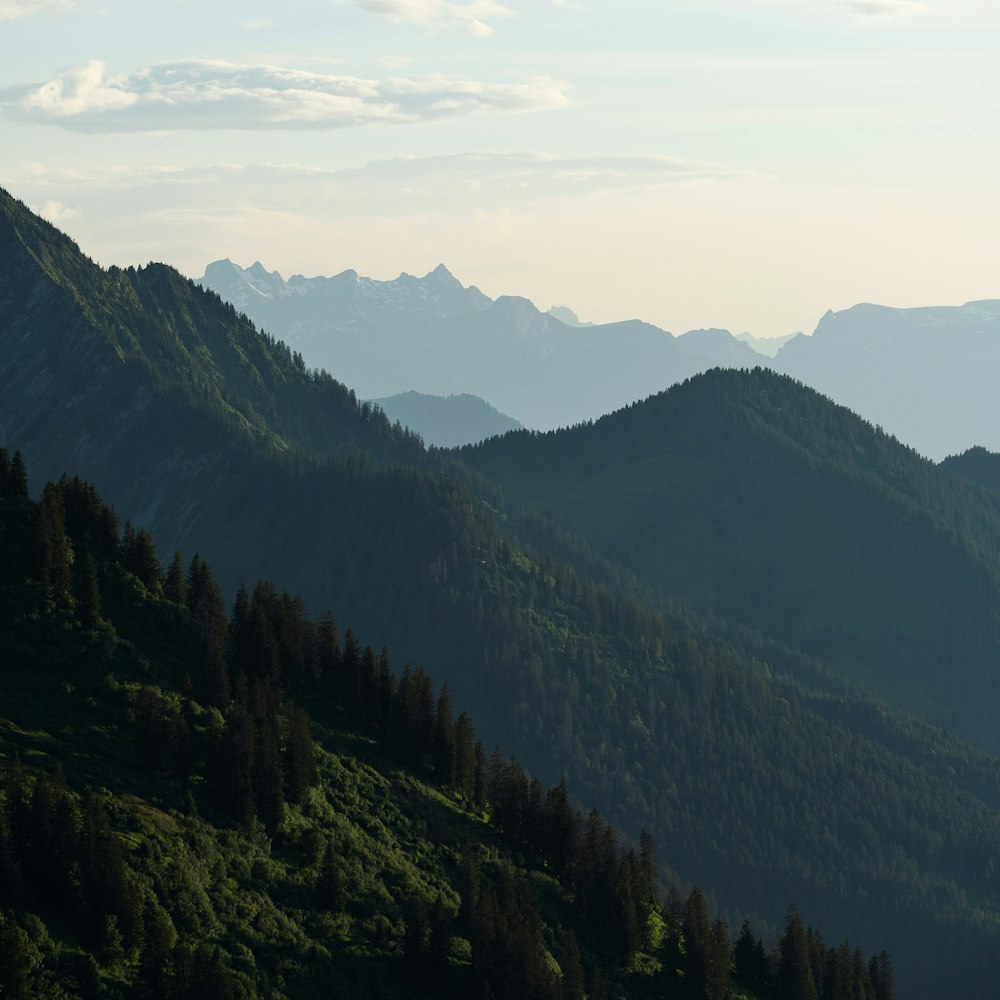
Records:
x=749, y=495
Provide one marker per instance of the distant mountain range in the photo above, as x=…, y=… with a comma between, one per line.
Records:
x=447, y=421
x=437, y=337
x=924, y=375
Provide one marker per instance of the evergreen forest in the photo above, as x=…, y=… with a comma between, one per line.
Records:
x=737, y=621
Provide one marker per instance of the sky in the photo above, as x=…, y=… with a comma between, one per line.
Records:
x=746, y=164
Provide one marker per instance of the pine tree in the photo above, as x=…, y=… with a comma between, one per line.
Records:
x=175, y=584
x=208, y=610
x=88, y=588
x=796, y=966
x=140, y=559
x=444, y=740
x=328, y=656
x=750, y=958
x=465, y=756
x=55, y=555
x=17, y=478
x=300, y=756
x=880, y=973
x=331, y=887
x=572, y=969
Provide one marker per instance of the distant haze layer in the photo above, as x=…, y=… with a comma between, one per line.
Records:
x=925, y=374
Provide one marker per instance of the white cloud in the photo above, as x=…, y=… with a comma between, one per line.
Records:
x=9, y=9
x=472, y=16
x=56, y=212
x=78, y=91
x=220, y=95
x=258, y=24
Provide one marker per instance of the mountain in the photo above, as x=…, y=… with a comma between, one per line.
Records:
x=158, y=841
x=446, y=421
x=566, y=315
x=201, y=806
x=978, y=465
x=434, y=336
x=768, y=346
x=765, y=776
x=750, y=496
x=925, y=374
x=722, y=348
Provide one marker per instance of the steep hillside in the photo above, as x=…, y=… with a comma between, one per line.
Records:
x=748, y=495
x=173, y=824
x=151, y=359
x=739, y=755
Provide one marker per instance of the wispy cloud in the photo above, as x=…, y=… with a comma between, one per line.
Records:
x=56, y=212
x=220, y=95
x=886, y=8
x=257, y=24
x=473, y=16
x=426, y=183
x=9, y=9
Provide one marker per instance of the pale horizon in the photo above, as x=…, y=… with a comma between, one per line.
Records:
x=747, y=166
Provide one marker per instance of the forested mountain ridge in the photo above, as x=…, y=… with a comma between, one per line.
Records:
x=740, y=757
x=140, y=347
x=170, y=827
x=750, y=496
x=978, y=465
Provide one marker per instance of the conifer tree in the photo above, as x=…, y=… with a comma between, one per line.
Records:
x=175, y=583
x=796, y=966
x=55, y=553
x=328, y=656
x=444, y=740
x=465, y=756
x=880, y=973
x=300, y=756
x=571, y=965
x=140, y=559
x=17, y=478
x=88, y=588
x=331, y=889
